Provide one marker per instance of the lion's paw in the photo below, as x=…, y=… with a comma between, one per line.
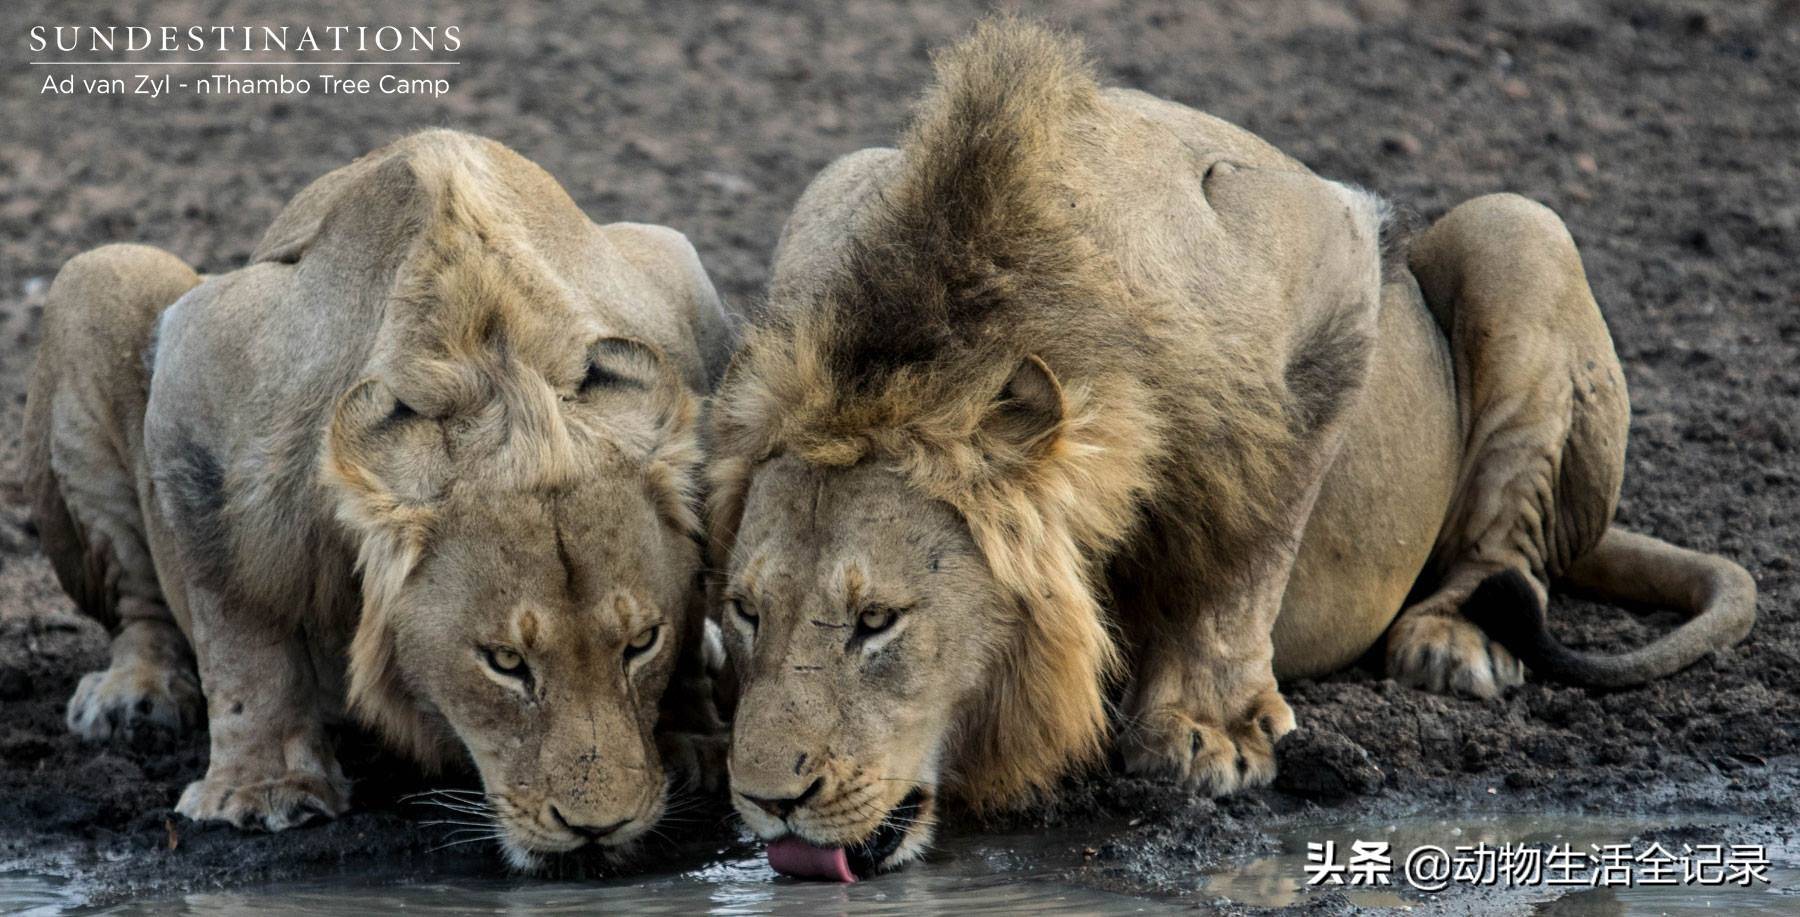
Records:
x=288, y=801
x=1446, y=653
x=1211, y=758
x=136, y=702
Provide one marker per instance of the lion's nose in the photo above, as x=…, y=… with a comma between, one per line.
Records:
x=590, y=832
x=782, y=807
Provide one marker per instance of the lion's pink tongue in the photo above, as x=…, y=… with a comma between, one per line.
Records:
x=792, y=856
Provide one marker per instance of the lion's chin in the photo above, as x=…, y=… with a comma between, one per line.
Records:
x=520, y=858
x=532, y=861
x=538, y=855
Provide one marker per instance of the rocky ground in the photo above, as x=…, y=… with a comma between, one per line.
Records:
x=1664, y=132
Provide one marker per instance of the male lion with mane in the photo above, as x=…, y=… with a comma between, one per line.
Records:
x=430, y=457
x=1081, y=387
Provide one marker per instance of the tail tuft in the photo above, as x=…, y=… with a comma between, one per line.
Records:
x=1506, y=608
x=1718, y=597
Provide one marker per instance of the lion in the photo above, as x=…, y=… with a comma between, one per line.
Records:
x=1082, y=394
x=429, y=460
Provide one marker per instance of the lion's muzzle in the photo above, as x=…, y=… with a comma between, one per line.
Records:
x=897, y=837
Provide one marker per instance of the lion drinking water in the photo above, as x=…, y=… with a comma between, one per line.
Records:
x=1081, y=384
x=430, y=457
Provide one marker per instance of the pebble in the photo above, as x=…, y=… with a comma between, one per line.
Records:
x=727, y=182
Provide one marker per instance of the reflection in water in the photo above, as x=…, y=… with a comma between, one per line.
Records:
x=732, y=887
x=23, y=895
x=982, y=875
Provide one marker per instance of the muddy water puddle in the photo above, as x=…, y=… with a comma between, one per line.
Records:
x=1007, y=874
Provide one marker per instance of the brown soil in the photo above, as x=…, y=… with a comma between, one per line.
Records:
x=1664, y=132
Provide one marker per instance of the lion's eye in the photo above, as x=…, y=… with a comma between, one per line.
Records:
x=875, y=620
x=744, y=613
x=642, y=643
x=508, y=662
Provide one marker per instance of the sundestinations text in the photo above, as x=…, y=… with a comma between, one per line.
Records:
x=335, y=39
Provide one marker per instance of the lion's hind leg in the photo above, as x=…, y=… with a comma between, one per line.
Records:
x=1544, y=415
x=84, y=433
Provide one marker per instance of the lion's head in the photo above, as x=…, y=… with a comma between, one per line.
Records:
x=917, y=458
x=518, y=479
x=886, y=646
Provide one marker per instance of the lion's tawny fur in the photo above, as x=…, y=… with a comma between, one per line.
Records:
x=440, y=410
x=972, y=257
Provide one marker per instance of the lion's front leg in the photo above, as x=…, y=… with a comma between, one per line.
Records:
x=1206, y=708
x=272, y=765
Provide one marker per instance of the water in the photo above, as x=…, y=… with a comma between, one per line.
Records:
x=971, y=876
x=993, y=874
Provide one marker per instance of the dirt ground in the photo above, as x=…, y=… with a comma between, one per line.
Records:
x=1665, y=133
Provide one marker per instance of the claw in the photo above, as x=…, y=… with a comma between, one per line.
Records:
x=289, y=801
x=1206, y=757
x=1446, y=653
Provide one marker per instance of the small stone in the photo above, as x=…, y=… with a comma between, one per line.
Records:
x=727, y=182
x=652, y=150
x=1516, y=89
x=1313, y=764
x=1586, y=163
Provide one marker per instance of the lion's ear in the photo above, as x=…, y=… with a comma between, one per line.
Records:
x=672, y=470
x=1028, y=411
x=382, y=464
x=623, y=363
x=385, y=463
x=628, y=368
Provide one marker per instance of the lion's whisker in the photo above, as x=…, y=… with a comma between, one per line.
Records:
x=471, y=840
x=464, y=824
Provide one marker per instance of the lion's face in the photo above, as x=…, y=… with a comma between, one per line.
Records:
x=528, y=554
x=544, y=631
x=867, y=621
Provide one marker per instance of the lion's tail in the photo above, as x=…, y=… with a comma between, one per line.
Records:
x=1718, y=596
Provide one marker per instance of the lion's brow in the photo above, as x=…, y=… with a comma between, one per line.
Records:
x=571, y=578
